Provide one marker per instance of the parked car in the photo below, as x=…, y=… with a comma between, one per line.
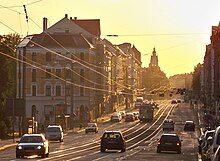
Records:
x=216, y=156
x=116, y=117
x=112, y=140
x=203, y=139
x=216, y=140
x=189, y=126
x=206, y=149
x=168, y=124
x=91, y=127
x=32, y=144
x=129, y=117
x=123, y=113
x=169, y=142
x=54, y=133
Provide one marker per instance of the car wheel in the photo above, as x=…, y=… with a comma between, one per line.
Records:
x=18, y=156
x=123, y=150
x=102, y=149
x=158, y=150
x=47, y=155
x=179, y=151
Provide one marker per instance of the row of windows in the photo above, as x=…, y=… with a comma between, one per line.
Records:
x=48, y=56
x=68, y=74
x=58, y=89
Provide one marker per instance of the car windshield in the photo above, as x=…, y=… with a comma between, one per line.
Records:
x=111, y=135
x=31, y=139
x=169, y=138
x=53, y=129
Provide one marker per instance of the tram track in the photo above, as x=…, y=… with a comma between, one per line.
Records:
x=137, y=134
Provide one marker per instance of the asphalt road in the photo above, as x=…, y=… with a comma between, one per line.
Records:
x=189, y=145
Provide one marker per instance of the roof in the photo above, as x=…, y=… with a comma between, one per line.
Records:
x=90, y=25
x=172, y=134
x=59, y=40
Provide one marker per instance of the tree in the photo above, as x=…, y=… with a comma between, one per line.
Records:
x=8, y=45
x=196, y=83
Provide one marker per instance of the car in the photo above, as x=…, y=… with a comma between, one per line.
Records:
x=216, y=156
x=116, y=117
x=169, y=142
x=189, y=126
x=32, y=144
x=112, y=140
x=91, y=127
x=136, y=115
x=129, y=117
x=54, y=133
x=216, y=140
x=206, y=149
x=122, y=113
x=168, y=124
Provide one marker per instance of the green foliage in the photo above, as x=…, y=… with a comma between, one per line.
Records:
x=8, y=45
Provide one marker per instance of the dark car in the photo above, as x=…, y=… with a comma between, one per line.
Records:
x=189, y=126
x=129, y=117
x=169, y=142
x=32, y=144
x=112, y=140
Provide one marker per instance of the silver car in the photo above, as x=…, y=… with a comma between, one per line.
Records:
x=32, y=144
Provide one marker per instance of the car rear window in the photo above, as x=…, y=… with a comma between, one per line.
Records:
x=53, y=129
x=169, y=138
x=111, y=135
x=31, y=139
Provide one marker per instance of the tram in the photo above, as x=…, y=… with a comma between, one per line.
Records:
x=146, y=112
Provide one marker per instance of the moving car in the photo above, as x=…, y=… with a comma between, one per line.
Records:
x=169, y=142
x=129, y=117
x=112, y=140
x=54, y=133
x=189, y=126
x=116, y=117
x=168, y=124
x=91, y=127
x=32, y=144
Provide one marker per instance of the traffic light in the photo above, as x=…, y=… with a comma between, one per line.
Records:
x=205, y=112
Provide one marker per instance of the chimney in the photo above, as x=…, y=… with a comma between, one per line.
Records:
x=44, y=23
x=66, y=15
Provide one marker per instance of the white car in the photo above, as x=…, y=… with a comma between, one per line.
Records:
x=54, y=133
x=116, y=117
x=91, y=127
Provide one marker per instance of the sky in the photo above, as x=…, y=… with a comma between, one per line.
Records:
x=178, y=29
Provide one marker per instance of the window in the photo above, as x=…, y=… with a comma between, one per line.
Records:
x=67, y=90
x=68, y=74
x=58, y=90
x=34, y=73
x=34, y=56
x=48, y=57
x=81, y=91
x=82, y=75
x=34, y=90
x=48, y=75
x=48, y=90
x=58, y=73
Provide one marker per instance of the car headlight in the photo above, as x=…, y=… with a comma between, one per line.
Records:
x=19, y=147
x=39, y=147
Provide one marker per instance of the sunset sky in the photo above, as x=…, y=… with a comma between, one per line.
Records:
x=178, y=29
